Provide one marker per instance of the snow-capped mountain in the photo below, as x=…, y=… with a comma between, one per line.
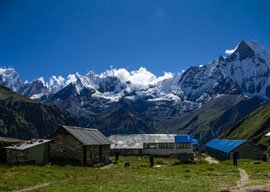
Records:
x=10, y=78
x=158, y=101
x=249, y=67
x=245, y=70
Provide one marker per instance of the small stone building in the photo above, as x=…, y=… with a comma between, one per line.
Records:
x=83, y=145
x=223, y=149
x=5, y=142
x=28, y=152
x=152, y=144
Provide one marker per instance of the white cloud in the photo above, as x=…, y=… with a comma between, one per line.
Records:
x=167, y=75
x=140, y=78
x=230, y=51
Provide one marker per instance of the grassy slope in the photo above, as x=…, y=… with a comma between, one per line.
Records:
x=254, y=127
x=188, y=177
x=173, y=177
x=6, y=93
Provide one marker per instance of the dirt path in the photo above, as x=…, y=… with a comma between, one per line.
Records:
x=211, y=160
x=33, y=188
x=243, y=182
x=240, y=186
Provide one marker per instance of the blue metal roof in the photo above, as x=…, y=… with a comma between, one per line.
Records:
x=183, y=139
x=195, y=141
x=224, y=145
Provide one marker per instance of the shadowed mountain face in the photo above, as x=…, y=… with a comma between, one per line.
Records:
x=204, y=101
x=243, y=51
x=23, y=118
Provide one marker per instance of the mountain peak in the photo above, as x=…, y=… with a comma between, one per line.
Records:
x=10, y=78
x=244, y=50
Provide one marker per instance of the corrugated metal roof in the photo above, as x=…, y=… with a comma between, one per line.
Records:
x=224, y=145
x=268, y=134
x=136, y=141
x=183, y=139
x=88, y=136
x=28, y=144
x=195, y=141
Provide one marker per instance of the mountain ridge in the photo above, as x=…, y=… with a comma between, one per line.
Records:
x=160, y=103
x=23, y=118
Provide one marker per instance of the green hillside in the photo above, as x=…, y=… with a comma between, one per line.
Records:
x=254, y=127
x=24, y=118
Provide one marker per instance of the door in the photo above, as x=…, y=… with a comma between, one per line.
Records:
x=84, y=155
x=100, y=154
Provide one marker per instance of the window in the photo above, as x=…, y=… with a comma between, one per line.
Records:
x=162, y=146
x=166, y=145
x=170, y=146
x=183, y=145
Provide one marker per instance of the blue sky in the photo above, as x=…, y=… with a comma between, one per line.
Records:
x=45, y=38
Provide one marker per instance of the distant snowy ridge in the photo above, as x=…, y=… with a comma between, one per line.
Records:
x=245, y=70
x=106, y=84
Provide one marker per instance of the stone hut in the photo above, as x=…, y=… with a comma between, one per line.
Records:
x=223, y=149
x=29, y=152
x=83, y=145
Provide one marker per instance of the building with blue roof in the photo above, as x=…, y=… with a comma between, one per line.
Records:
x=183, y=139
x=223, y=149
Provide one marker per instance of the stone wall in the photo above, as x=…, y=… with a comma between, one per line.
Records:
x=93, y=155
x=246, y=151
x=249, y=151
x=65, y=146
x=3, y=144
x=16, y=156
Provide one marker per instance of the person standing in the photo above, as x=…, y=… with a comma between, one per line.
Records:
x=116, y=155
x=235, y=157
x=151, y=160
